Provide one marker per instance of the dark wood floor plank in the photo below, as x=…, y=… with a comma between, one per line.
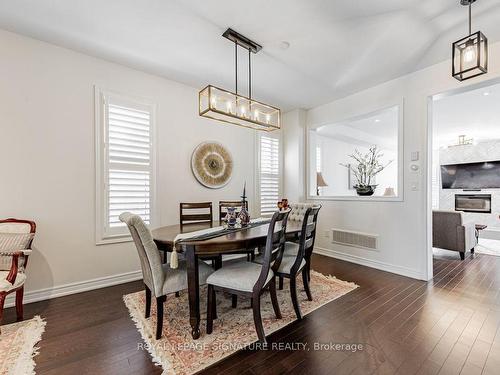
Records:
x=449, y=325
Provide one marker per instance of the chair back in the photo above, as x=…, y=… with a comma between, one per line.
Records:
x=223, y=205
x=200, y=213
x=151, y=265
x=307, y=236
x=298, y=211
x=15, y=235
x=275, y=246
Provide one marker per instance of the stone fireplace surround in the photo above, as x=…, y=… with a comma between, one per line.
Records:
x=480, y=152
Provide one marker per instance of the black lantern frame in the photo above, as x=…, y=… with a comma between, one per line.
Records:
x=462, y=69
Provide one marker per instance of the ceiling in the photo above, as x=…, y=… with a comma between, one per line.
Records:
x=379, y=128
x=337, y=47
x=475, y=114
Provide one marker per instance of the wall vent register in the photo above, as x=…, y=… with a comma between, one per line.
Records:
x=356, y=239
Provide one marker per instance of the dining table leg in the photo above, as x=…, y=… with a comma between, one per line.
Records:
x=193, y=291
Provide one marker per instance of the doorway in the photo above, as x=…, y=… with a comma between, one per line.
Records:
x=464, y=172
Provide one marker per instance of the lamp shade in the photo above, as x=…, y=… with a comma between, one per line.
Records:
x=320, y=182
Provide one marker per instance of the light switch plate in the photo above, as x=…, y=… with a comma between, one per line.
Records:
x=415, y=155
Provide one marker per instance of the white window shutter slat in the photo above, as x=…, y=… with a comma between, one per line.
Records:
x=129, y=164
x=269, y=188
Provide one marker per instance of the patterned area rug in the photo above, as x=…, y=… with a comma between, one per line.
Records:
x=17, y=346
x=178, y=353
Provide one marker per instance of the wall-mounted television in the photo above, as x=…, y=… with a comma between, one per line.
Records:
x=482, y=175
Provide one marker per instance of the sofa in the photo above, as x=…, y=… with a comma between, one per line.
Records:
x=450, y=232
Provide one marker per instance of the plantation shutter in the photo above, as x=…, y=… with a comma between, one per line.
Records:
x=269, y=174
x=129, y=163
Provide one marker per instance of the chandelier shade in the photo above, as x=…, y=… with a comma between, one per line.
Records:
x=226, y=106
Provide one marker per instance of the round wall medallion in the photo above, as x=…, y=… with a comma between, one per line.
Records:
x=212, y=165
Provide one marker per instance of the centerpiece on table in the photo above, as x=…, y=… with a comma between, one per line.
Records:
x=369, y=165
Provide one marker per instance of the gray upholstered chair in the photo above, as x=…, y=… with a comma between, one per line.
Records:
x=450, y=232
x=159, y=278
x=297, y=258
x=298, y=210
x=249, y=279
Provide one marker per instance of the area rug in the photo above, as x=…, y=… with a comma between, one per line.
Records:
x=18, y=346
x=488, y=247
x=234, y=330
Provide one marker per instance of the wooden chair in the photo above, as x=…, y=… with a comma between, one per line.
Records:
x=199, y=217
x=159, y=279
x=294, y=258
x=16, y=237
x=190, y=218
x=250, y=279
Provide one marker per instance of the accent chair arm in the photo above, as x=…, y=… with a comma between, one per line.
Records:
x=11, y=277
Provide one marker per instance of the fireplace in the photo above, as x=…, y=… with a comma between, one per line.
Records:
x=473, y=203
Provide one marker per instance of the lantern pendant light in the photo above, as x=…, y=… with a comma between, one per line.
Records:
x=232, y=107
x=470, y=54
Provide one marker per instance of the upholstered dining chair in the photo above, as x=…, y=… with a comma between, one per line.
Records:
x=159, y=279
x=16, y=237
x=297, y=211
x=294, y=258
x=199, y=212
x=292, y=247
x=250, y=279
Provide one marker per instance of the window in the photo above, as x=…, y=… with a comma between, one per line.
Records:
x=361, y=153
x=125, y=163
x=269, y=173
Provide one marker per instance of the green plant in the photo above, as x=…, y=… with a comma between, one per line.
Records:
x=369, y=165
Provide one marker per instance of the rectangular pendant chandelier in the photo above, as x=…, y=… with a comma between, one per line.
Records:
x=226, y=106
x=470, y=54
x=232, y=107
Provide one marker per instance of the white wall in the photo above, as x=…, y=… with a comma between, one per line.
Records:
x=47, y=155
x=293, y=149
x=402, y=226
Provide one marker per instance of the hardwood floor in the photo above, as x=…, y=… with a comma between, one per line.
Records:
x=447, y=326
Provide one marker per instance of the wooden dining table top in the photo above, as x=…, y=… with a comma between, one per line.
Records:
x=164, y=236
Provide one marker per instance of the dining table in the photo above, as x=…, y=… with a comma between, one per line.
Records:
x=226, y=243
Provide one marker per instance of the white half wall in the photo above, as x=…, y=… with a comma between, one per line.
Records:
x=402, y=226
x=47, y=158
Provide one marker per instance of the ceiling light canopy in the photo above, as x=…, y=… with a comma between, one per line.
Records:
x=470, y=54
x=232, y=107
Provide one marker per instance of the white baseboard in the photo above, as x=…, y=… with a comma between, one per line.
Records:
x=73, y=288
x=404, y=271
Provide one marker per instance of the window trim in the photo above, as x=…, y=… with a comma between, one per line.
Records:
x=101, y=163
x=258, y=134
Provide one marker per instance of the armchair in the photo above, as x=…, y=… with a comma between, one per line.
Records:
x=450, y=232
x=16, y=237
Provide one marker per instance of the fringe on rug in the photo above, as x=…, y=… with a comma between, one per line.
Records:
x=25, y=364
